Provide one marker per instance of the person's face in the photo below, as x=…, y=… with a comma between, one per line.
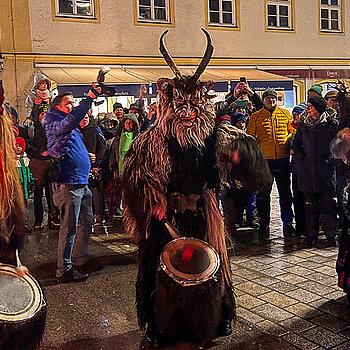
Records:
x=270, y=102
x=312, y=112
x=19, y=149
x=311, y=93
x=119, y=112
x=66, y=105
x=85, y=121
x=240, y=125
x=296, y=117
x=333, y=103
x=243, y=97
x=128, y=125
x=134, y=111
x=43, y=86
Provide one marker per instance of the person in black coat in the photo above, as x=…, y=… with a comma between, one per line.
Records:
x=315, y=168
x=96, y=146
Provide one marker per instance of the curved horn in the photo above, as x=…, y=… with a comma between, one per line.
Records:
x=168, y=59
x=206, y=58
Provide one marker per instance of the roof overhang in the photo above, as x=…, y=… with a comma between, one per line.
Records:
x=64, y=74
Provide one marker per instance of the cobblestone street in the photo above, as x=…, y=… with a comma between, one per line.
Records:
x=287, y=295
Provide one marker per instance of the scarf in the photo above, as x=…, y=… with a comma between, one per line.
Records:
x=126, y=138
x=311, y=123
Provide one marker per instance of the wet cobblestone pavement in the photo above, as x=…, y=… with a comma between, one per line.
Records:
x=287, y=294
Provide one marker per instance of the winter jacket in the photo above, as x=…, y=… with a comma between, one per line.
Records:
x=272, y=131
x=114, y=157
x=65, y=139
x=94, y=142
x=314, y=166
x=30, y=100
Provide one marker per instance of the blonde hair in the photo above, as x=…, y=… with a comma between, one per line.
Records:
x=11, y=194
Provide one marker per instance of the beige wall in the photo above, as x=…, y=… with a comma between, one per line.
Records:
x=117, y=34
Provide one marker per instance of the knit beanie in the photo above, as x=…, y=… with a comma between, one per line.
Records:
x=117, y=105
x=237, y=117
x=317, y=88
x=299, y=108
x=319, y=103
x=269, y=92
x=20, y=141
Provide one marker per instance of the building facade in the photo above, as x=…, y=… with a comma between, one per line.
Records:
x=307, y=41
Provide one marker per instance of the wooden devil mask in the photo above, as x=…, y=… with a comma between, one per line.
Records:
x=186, y=94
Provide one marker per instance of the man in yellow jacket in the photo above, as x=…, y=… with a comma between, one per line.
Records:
x=272, y=128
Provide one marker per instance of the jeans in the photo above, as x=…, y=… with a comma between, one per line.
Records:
x=280, y=171
x=76, y=220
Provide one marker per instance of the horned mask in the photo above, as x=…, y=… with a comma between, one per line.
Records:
x=183, y=109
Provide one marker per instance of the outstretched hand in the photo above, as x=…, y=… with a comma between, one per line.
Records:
x=158, y=212
x=95, y=91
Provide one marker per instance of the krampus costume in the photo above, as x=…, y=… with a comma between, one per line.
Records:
x=24, y=335
x=175, y=166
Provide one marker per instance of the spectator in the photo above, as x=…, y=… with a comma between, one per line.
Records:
x=315, y=170
x=315, y=90
x=26, y=178
x=239, y=120
x=71, y=194
x=331, y=98
x=243, y=92
x=127, y=131
x=39, y=97
x=272, y=127
x=95, y=144
x=39, y=165
x=298, y=196
x=118, y=110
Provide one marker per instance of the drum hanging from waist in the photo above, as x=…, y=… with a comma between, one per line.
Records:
x=189, y=261
x=22, y=310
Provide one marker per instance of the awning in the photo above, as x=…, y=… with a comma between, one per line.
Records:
x=86, y=74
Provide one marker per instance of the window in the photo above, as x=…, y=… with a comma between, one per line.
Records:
x=279, y=14
x=75, y=8
x=330, y=16
x=222, y=13
x=157, y=11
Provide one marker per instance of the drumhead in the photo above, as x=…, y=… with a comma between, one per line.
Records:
x=20, y=297
x=189, y=261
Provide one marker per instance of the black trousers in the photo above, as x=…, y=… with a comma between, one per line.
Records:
x=280, y=171
x=323, y=204
x=299, y=207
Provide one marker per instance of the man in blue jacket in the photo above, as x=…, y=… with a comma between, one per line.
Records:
x=71, y=193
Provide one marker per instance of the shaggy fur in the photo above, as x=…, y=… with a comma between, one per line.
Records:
x=173, y=158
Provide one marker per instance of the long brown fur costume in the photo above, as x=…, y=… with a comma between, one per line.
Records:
x=28, y=335
x=172, y=158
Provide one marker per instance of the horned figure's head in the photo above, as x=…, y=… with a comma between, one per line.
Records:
x=183, y=109
x=343, y=99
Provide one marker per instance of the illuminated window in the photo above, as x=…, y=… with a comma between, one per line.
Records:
x=157, y=11
x=330, y=16
x=222, y=13
x=75, y=8
x=279, y=14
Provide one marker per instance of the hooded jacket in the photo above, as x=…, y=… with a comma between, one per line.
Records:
x=114, y=158
x=30, y=100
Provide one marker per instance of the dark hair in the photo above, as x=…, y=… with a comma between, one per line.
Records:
x=58, y=99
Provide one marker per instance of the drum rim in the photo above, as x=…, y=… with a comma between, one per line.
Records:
x=35, y=304
x=184, y=279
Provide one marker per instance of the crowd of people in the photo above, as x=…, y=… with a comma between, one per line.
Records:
x=297, y=144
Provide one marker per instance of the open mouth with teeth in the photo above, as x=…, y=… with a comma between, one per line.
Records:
x=186, y=117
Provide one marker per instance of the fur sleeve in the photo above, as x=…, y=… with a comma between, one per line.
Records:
x=145, y=179
x=252, y=171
